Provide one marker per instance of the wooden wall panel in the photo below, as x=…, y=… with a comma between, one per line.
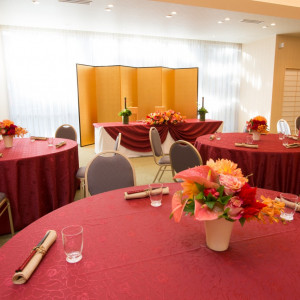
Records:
x=87, y=104
x=168, y=88
x=186, y=92
x=129, y=86
x=149, y=83
x=108, y=94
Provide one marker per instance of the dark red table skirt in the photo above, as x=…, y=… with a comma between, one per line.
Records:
x=135, y=135
x=273, y=166
x=37, y=179
x=134, y=251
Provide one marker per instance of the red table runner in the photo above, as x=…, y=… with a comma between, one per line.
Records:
x=135, y=135
x=134, y=251
x=273, y=166
x=37, y=179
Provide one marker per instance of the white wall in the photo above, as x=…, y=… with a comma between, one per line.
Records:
x=4, y=112
x=256, y=80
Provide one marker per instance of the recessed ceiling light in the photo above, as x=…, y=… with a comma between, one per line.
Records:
x=173, y=13
x=273, y=24
x=264, y=27
x=227, y=19
x=220, y=22
x=168, y=16
x=110, y=5
x=107, y=9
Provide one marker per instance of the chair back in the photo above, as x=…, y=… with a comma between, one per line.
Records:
x=109, y=170
x=118, y=142
x=66, y=131
x=283, y=126
x=297, y=123
x=184, y=155
x=155, y=142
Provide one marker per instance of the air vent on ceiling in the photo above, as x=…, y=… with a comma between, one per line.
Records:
x=77, y=1
x=251, y=21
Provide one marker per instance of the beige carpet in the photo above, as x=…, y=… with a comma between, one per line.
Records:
x=145, y=171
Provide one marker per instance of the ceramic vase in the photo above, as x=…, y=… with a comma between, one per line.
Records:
x=8, y=140
x=256, y=136
x=218, y=233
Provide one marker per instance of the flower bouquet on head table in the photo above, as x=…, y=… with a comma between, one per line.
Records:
x=166, y=117
x=218, y=190
x=8, y=127
x=258, y=124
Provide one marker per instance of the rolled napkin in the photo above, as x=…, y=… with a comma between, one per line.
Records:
x=294, y=145
x=1, y=154
x=142, y=193
x=60, y=144
x=294, y=137
x=38, y=138
x=30, y=264
x=289, y=203
x=246, y=145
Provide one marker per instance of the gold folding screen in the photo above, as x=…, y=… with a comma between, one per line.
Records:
x=101, y=92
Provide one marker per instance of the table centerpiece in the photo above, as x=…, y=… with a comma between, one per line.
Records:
x=218, y=194
x=166, y=117
x=8, y=130
x=125, y=113
x=257, y=126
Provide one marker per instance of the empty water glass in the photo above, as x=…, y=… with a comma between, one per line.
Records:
x=155, y=193
x=290, y=201
x=72, y=237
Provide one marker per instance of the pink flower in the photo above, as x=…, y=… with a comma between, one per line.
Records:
x=232, y=184
x=178, y=204
x=235, y=210
x=203, y=213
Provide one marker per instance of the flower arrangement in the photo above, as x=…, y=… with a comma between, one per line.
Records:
x=166, y=117
x=125, y=112
x=219, y=190
x=8, y=127
x=258, y=124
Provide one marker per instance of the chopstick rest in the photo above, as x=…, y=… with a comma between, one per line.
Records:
x=246, y=145
x=60, y=144
x=289, y=203
x=24, y=272
x=142, y=193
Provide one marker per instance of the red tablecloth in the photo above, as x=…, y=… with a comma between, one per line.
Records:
x=134, y=251
x=37, y=179
x=273, y=166
x=135, y=135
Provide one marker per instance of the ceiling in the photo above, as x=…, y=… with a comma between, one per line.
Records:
x=195, y=19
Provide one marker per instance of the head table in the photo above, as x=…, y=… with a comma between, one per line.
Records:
x=134, y=251
x=37, y=179
x=273, y=166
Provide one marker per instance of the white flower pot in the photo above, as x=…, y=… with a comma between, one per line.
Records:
x=8, y=140
x=218, y=233
x=256, y=136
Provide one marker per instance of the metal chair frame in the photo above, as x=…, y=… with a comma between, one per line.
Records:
x=5, y=205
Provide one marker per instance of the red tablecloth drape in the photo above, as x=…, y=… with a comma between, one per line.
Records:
x=134, y=251
x=273, y=166
x=37, y=179
x=135, y=135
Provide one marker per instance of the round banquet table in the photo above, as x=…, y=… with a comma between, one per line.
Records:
x=134, y=251
x=273, y=166
x=37, y=179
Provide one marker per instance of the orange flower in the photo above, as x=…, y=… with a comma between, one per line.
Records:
x=271, y=211
x=7, y=123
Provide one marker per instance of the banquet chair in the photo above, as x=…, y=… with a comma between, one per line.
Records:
x=108, y=170
x=183, y=155
x=283, y=126
x=66, y=131
x=81, y=171
x=5, y=205
x=297, y=124
x=161, y=159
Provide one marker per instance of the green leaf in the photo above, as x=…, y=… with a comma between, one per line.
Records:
x=242, y=221
x=210, y=204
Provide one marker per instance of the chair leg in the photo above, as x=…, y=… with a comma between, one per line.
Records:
x=157, y=174
x=10, y=218
x=82, y=187
x=162, y=173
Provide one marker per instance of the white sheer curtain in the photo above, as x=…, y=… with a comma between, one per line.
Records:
x=41, y=71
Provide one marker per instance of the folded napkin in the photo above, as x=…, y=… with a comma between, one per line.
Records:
x=294, y=137
x=295, y=145
x=23, y=275
x=289, y=203
x=246, y=145
x=142, y=193
x=60, y=144
x=38, y=138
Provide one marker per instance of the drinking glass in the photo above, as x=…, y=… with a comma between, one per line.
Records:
x=155, y=193
x=249, y=139
x=218, y=135
x=72, y=237
x=290, y=201
x=50, y=141
x=281, y=135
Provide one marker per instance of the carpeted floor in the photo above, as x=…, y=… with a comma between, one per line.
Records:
x=145, y=171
